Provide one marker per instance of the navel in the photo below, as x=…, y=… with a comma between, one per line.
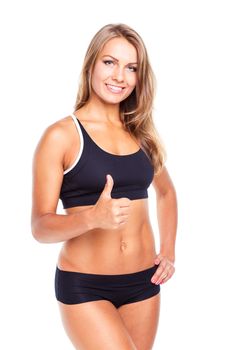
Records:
x=123, y=245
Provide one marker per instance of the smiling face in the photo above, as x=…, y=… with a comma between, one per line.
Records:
x=114, y=76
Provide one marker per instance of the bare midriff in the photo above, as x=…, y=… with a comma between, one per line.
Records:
x=128, y=249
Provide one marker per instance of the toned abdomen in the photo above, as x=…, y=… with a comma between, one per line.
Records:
x=118, y=251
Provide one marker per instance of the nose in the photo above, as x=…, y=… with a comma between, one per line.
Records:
x=118, y=74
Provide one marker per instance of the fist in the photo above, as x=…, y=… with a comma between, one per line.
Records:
x=110, y=213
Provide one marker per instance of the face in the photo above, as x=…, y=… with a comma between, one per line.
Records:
x=114, y=75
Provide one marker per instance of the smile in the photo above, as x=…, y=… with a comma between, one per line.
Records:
x=114, y=89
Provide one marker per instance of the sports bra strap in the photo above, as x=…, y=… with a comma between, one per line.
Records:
x=81, y=144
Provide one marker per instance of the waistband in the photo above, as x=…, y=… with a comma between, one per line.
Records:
x=126, y=277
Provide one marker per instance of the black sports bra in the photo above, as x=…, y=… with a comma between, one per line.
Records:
x=84, y=181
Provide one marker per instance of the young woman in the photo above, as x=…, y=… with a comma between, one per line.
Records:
x=100, y=161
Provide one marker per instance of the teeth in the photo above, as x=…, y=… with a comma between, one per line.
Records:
x=114, y=88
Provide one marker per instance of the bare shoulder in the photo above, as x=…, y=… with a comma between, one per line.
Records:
x=56, y=132
x=162, y=182
x=48, y=167
x=55, y=139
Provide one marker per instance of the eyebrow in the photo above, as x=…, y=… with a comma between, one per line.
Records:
x=118, y=60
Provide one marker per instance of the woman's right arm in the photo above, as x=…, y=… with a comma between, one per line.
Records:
x=47, y=171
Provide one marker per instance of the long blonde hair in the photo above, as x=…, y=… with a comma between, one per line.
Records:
x=136, y=109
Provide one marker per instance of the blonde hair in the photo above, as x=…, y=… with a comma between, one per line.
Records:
x=136, y=109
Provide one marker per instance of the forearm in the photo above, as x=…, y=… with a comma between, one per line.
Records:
x=167, y=222
x=53, y=228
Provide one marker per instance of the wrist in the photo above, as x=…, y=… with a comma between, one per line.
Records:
x=90, y=219
x=169, y=255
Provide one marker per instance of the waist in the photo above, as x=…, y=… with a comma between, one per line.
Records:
x=109, y=252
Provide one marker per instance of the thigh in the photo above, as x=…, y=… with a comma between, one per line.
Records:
x=141, y=320
x=95, y=325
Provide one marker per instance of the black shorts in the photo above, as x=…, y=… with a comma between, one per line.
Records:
x=77, y=287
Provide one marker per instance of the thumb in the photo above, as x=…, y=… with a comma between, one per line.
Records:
x=108, y=186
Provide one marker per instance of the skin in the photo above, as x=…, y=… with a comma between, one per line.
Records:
x=120, y=239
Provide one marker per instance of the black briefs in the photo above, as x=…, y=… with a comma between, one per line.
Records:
x=77, y=287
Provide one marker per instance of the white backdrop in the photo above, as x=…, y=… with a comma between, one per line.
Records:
x=42, y=48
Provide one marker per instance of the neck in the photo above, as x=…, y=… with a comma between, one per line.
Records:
x=102, y=111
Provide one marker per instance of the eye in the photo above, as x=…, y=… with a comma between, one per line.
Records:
x=107, y=61
x=134, y=69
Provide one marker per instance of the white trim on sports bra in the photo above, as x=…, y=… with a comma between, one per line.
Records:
x=81, y=144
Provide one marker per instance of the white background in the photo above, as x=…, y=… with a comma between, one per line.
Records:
x=42, y=49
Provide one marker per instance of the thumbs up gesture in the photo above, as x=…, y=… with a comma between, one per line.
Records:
x=110, y=213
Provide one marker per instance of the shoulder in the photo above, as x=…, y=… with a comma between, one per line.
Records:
x=56, y=135
x=59, y=130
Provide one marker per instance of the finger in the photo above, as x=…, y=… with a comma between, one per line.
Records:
x=123, y=202
x=163, y=276
x=119, y=212
x=106, y=192
x=122, y=222
x=167, y=274
x=159, y=271
x=165, y=279
x=123, y=218
x=158, y=259
x=123, y=212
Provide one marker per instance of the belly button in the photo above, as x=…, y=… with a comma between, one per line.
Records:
x=123, y=245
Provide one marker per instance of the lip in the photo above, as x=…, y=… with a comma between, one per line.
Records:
x=122, y=87
x=112, y=89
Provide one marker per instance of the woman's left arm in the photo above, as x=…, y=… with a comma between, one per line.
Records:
x=166, y=200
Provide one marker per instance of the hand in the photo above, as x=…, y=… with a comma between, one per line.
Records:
x=110, y=213
x=165, y=270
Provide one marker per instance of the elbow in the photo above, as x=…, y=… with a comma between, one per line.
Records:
x=38, y=231
x=172, y=192
x=168, y=192
x=170, y=197
x=37, y=234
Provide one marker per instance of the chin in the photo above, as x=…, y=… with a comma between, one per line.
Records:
x=110, y=99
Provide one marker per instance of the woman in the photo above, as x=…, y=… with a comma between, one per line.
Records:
x=100, y=161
